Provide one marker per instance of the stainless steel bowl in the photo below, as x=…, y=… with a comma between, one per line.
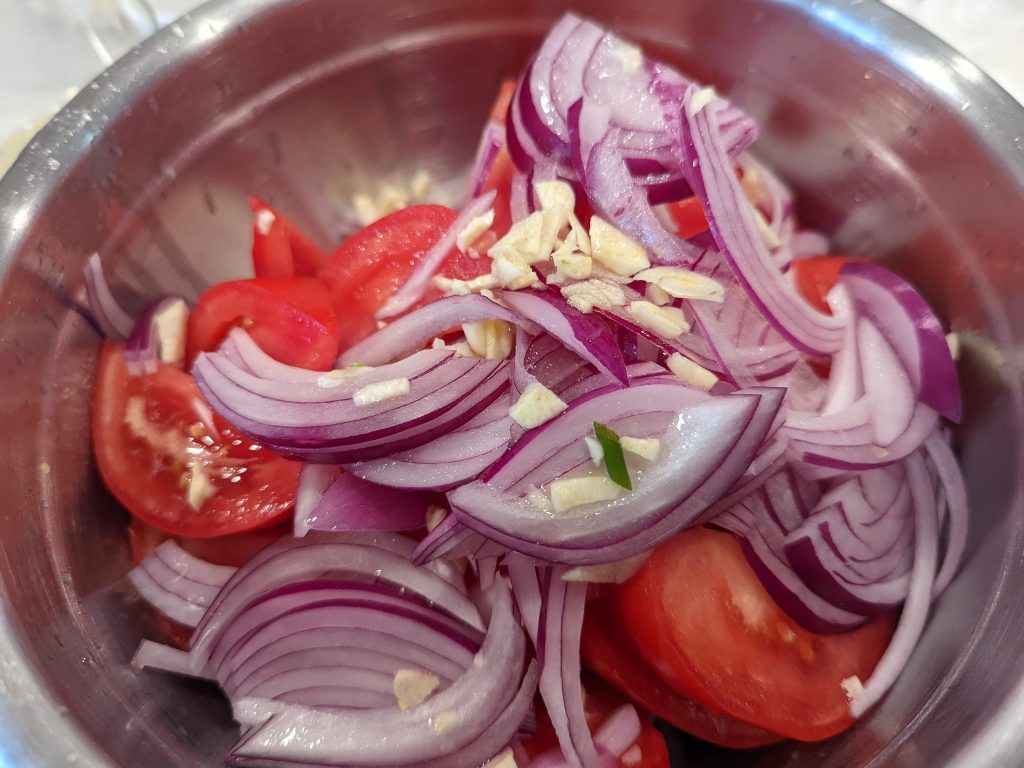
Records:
x=895, y=143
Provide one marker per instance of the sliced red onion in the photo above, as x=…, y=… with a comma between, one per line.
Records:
x=707, y=442
x=619, y=731
x=350, y=503
x=324, y=424
x=158, y=335
x=314, y=480
x=377, y=557
x=451, y=540
x=709, y=170
x=908, y=324
x=152, y=655
x=419, y=281
x=472, y=704
x=177, y=584
x=613, y=191
x=445, y=461
x=919, y=595
x=955, y=494
x=413, y=331
x=584, y=335
x=115, y=323
x=492, y=140
x=558, y=652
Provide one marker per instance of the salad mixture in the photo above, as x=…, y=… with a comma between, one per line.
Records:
x=494, y=486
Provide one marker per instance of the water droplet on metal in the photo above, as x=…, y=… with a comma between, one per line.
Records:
x=177, y=31
x=53, y=164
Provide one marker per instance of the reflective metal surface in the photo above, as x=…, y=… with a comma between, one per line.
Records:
x=896, y=144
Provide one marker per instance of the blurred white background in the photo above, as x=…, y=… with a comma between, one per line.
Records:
x=51, y=48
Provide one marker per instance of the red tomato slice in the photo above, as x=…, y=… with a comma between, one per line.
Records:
x=367, y=268
x=688, y=216
x=600, y=701
x=279, y=248
x=290, y=318
x=816, y=276
x=147, y=431
x=697, y=612
x=608, y=652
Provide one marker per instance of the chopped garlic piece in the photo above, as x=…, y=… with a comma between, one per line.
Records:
x=632, y=756
x=413, y=687
x=199, y=486
x=852, y=686
x=594, y=449
x=607, y=573
x=632, y=58
x=443, y=721
x=366, y=209
x=490, y=339
x=504, y=760
x=264, y=221
x=953, y=342
x=614, y=250
x=339, y=376
x=536, y=405
x=644, y=447
x=691, y=372
x=381, y=390
x=657, y=295
x=435, y=514
x=667, y=322
x=575, y=266
x=44, y=467
x=767, y=233
x=554, y=193
x=576, y=491
x=587, y=294
x=511, y=272
x=701, y=99
x=171, y=331
x=531, y=240
x=419, y=184
x=474, y=229
x=539, y=499
x=683, y=283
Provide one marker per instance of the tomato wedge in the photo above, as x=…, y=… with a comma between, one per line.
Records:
x=649, y=750
x=279, y=248
x=367, y=269
x=815, y=276
x=291, y=319
x=174, y=464
x=698, y=614
x=608, y=653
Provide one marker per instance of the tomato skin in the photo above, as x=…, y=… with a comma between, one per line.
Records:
x=280, y=249
x=698, y=614
x=290, y=318
x=688, y=216
x=146, y=428
x=367, y=268
x=815, y=276
x=608, y=653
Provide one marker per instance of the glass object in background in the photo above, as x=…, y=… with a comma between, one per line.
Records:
x=50, y=48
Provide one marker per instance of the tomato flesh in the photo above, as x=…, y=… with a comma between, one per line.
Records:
x=608, y=653
x=367, y=268
x=290, y=318
x=688, y=217
x=279, y=248
x=154, y=437
x=815, y=276
x=698, y=614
